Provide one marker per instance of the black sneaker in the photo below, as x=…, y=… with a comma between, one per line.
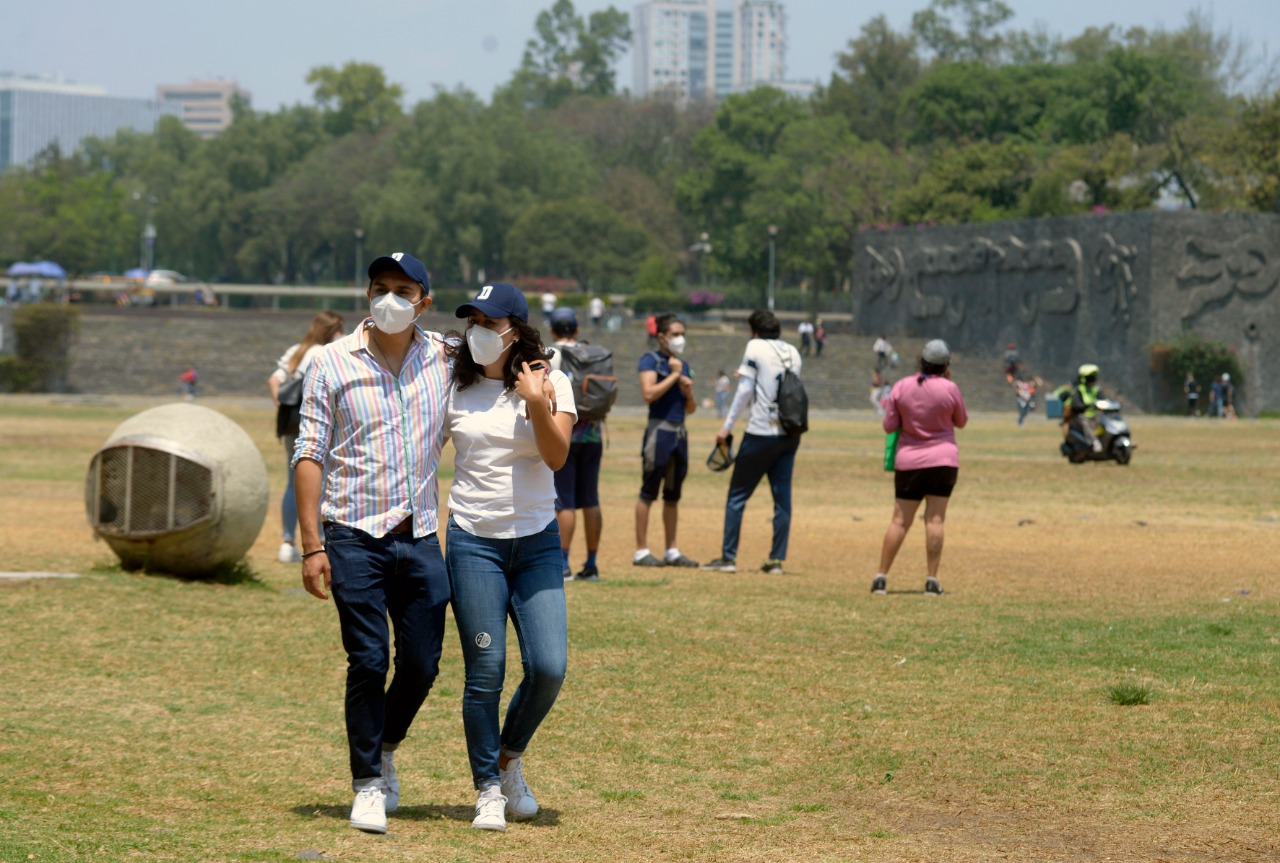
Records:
x=772, y=567
x=932, y=588
x=681, y=560
x=878, y=586
x=568, y=574
x=721, y=564
x=589, y=572
x=647, y=560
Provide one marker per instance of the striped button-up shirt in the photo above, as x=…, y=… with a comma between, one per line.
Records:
x=377, y=436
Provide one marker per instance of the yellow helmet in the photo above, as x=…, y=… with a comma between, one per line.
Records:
x=1088, y=370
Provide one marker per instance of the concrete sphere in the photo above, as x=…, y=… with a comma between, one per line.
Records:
x=179, y=489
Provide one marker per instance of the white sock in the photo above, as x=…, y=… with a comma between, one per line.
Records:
x=640, y=553
x=673, y=553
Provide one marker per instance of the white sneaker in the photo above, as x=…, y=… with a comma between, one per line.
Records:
x=390, y=781
x=521, y=804
x=369, y=812
x=288, y=553
x=489, y=810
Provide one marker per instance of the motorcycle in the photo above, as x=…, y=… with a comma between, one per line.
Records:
x=1110, y=441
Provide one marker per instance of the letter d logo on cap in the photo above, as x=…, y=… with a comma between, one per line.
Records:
x=485, y=292
x=397, y=256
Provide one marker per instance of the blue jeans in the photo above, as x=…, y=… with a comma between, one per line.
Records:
x=757, y=456
x=491, y=580
x=289, y=504
x=405, y=578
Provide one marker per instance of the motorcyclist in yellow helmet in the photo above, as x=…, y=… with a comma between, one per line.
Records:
x=1080, y=402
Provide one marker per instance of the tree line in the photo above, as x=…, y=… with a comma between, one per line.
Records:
x=958, y=118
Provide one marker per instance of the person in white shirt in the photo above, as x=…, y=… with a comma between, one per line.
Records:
x=292, y=367
x=766, y=449
x=549, y=303
x=805, y=331
x=510, y=418
x=595, y=309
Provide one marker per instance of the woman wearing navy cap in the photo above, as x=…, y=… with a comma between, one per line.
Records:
x=510, y=421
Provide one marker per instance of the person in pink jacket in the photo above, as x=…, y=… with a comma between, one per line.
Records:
x=927, y=408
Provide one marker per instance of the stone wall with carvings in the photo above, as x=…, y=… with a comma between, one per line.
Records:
x=1079, y=289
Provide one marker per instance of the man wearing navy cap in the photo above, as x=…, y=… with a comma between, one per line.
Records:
x=371, y=433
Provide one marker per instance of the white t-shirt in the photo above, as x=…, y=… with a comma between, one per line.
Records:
x=597, y=307
x=762, y=362
x=549, y=301
x=281, y=373
x=502, y=489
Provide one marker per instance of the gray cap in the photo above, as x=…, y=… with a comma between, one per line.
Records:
x=936, y=352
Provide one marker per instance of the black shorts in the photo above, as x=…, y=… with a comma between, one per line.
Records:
x=925, y=481
x=578, y=482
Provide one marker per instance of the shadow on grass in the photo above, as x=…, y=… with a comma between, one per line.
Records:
x=238, y=574
x=545, y=817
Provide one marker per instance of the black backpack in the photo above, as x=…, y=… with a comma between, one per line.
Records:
x=793, y=401
x=590, y=368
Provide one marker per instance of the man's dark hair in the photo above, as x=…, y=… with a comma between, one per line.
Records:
x=665, y=321
x=764, y=324
x=927, y=368
x=563, y=329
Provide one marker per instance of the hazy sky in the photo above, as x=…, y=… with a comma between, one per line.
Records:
x=130, y=46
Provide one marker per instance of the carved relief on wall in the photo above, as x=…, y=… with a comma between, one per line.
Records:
x=890, y=271
x=1113, y=271
x=1215, y=271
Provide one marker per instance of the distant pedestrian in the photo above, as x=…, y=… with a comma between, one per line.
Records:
x=805, y=331
x=766, y=448
x=666, y=383
x=883, y=350
x=286, y=385
x=595, y=309
x=1215, y=398
x=819, y=337
x=1192, y=390
x=187, y=383
x=925, y=409
x=651, y=328
x=578, y=480
x=723, y=386
x=1011, y=363
x=549, y=302
x=1228, y=397
x=879, y=392
x=1025, y=396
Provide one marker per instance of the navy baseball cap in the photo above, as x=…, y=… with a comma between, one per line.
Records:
x=564, y=316
x=498, y=300
x=405, y=263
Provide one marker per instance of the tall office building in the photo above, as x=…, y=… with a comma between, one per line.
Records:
x=673, y=48
x=36, y=112
x=694, y=49
x=762, y=44
x=206, y=105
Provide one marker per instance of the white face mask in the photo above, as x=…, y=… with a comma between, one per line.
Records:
x=486, y=345
x=675, y=344
x=392, y=314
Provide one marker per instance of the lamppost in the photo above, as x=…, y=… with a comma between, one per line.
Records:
x=359, y=276
x=773, y=238
x=147, y=242
x=703, y=248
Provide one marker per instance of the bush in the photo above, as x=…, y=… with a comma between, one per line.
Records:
x=44, y=333
x=1205, y=358
x=657, y=302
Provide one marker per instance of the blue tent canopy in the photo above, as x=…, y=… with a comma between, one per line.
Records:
x=135, y=273
x=48, y=269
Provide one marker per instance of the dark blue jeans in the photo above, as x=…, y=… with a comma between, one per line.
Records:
x=757, y=456
x=493, y=579
x=405, y=578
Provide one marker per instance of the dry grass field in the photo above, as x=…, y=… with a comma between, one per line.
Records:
x=706, y=717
